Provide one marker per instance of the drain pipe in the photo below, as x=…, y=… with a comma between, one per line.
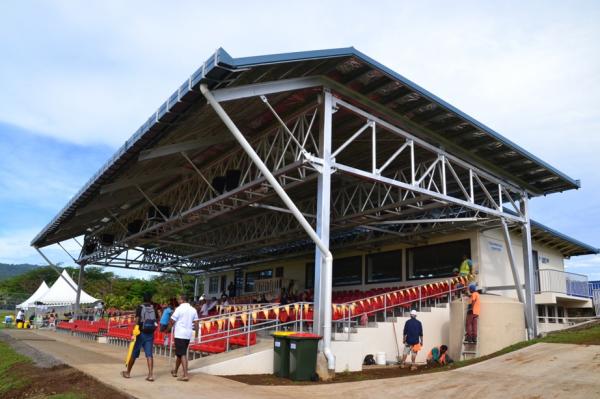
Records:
x=295, y=212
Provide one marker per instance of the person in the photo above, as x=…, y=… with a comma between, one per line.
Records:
x=466, y=266
x=438, y=356
x=98, y=311
x=185, y=320
x=231, y=290
x=283, y=298
x=166, y=314
x=413, y=339
x=472, y=314
x=146, y=320
x=20, y=317
x=208, y=307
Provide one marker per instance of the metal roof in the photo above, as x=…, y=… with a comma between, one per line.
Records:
x=344, y=69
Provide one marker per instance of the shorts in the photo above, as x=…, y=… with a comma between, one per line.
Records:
x=408, y=349
x=146, y=341
x=181, y=346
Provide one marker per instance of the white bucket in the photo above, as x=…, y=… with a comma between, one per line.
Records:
x=380, y=358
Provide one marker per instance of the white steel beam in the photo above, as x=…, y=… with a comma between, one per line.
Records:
x=433, y=194
x=515, y=272
x=261, y=89
x=323, y=247
x=529, y=272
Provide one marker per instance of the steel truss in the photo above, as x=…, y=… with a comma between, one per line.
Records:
x=407, y=191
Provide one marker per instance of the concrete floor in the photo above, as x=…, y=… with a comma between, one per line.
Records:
x=539, y=371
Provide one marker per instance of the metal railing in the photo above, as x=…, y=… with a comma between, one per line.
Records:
x=549, y=280
x=424, y=294
x=270, y=285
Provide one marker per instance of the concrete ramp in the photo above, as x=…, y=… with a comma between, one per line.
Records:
x=257, y=359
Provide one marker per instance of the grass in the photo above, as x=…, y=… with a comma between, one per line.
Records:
x=67, y=395
x=10, y=358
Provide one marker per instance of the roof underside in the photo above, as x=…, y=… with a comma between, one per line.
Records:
x=153, y=160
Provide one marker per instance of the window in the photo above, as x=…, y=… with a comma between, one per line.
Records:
x=309, y=276
x=436, y=260
x=384, y=266
x=251, y=277
x=347, y=271
x=213, y=285
x=279, y=272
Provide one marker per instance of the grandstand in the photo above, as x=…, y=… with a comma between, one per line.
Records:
x=327, y=172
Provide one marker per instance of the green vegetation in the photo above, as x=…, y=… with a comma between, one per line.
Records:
x=123, y=293
x=9, y=270
x=9, y=358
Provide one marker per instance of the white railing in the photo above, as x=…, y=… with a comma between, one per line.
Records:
x=270, y=285
x=550, y=280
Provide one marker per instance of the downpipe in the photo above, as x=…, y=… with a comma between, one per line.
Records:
x=239, y=136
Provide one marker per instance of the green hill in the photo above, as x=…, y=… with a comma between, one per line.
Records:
x=8, y=271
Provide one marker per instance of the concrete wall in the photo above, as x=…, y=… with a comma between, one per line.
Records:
x=501, y=323
x=260, y=362
x=495, y=268
x=370, y=340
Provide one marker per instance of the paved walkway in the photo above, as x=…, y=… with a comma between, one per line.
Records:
x=539, y=371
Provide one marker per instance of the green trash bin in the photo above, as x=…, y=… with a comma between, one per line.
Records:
x=303, y=356
x=281, y=353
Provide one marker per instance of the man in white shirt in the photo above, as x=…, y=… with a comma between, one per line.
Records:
x=184, y=320
x=20, y=316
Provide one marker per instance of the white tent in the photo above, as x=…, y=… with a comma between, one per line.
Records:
x=63, y=293
x=30, y=302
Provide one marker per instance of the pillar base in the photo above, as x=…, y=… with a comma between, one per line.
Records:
x=322, y=371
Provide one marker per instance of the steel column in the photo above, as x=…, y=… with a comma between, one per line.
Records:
x=196, y=288
x=322, y=288
x=529, y=273
x=515, y=272
x=79, y=283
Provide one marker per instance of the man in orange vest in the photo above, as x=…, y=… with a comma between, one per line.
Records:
x=472, y=314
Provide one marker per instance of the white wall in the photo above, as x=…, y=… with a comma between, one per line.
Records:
x=495, y=268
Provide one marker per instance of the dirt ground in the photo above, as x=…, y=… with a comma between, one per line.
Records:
x=58, y=379
x=543, y=370
x=46, y=375
x=368, y=373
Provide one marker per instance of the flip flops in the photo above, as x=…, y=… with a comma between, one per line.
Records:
x=183, y=379
x=173, y=373
x=150, y=379
x=124, y=374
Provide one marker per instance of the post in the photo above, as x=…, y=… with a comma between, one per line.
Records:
x=196, y=289
x=529, y=273
x=79, y=283
x=322, y=289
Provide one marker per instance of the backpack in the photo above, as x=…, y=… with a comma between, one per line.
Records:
x=369, y=360
x=148, y=319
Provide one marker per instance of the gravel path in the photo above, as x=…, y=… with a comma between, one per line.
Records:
x=41, y=359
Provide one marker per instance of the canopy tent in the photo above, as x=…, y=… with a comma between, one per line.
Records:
x=64, y=293
x=30, y=302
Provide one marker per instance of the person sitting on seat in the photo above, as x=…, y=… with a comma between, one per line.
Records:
x=438, y=356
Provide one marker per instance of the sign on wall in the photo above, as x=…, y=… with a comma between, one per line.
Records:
x=495, y=246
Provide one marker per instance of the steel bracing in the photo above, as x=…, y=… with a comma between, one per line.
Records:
x=353, y=175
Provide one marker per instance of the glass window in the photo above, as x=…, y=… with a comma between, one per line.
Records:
x=251, y=277
x=309, y=276
x=213, y=285
x=436, y=260
x=347, y=271
x=384, y=266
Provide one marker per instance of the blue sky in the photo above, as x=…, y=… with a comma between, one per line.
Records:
x=78, y=78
